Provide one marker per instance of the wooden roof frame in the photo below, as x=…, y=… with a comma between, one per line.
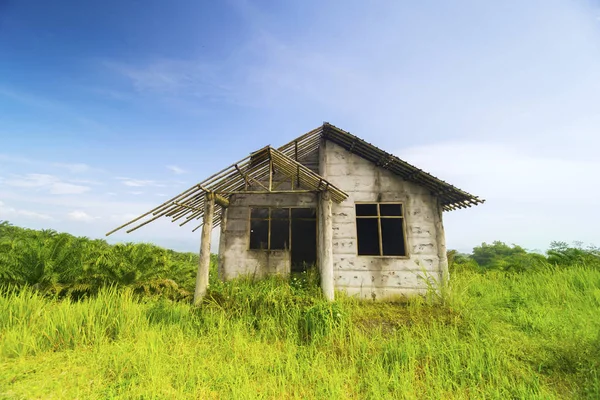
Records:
x=261, y=164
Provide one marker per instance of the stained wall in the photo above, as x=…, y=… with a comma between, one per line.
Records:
x=381, y=277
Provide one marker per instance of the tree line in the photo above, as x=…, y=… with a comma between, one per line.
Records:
x=66, y=265
x=498, y=256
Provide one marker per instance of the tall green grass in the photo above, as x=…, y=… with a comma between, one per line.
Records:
x=496, y=335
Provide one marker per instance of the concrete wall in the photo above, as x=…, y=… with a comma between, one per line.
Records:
x=379, y=277
x=364, y=276
x=235, y=257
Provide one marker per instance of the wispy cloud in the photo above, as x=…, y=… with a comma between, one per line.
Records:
x=139, y=182
x=175, y=169
x=76, y=168
x=16, y=159
x=122, y=217
x=90, y=182
x=190, y=86
x=50, y=183
x=68, y=188
x=136, y=192
x=7, y=212
x=528, y=177
x=81, y=216
x=173, y=77
x=50, y=104
x=523, y=191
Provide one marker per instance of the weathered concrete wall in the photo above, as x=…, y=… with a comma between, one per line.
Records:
x=364, y=276
x=381, y=277
x=235, y=257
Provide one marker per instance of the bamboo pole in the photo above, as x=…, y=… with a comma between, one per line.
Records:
x=272, y=191
x=149, y=212
x=270, y=172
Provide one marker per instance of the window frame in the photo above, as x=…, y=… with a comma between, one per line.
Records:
x=379, y=217
x=289, y=218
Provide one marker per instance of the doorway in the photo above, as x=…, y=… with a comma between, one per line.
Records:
x=304, y=239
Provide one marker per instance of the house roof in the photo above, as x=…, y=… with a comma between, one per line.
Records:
x=293, y=160
x=450, y=196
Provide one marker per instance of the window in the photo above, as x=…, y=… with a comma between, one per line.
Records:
x=270, y=228
x=380, y=229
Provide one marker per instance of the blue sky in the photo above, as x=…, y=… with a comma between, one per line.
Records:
x=107, y=108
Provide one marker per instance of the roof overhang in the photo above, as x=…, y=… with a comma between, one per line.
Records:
x=252, y=174
x=451, y=197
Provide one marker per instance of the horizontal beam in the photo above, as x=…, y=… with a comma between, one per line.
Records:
x=269, y=192
x=220, y=200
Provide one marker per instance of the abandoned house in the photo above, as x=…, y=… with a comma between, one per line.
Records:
x=369, y=221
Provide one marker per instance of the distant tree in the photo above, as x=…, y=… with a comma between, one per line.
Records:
x=499, y=255
x=458, y=262
x=562, y=254
x=487, y=255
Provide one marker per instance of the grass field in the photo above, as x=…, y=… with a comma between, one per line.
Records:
x=494, y=335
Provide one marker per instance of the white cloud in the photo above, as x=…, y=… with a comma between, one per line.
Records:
x=6, y=212
x=32, y=180
x=15, y=159
x=33, y=214
x=177, y=170
x=139, y=182
x=531, y=199
x=78, y=215
x=170, y=76
x=94, y=216
x=87, y=182
x=136, y=192
x=501, y=172
x=68, y=188
x=122, y=217
x=50, y=183
x=52, y=105
x=75, y=168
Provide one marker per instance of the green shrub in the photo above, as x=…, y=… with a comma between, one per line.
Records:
x=561, y=254
x=74, y=267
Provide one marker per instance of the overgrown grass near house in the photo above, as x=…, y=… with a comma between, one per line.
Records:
x=498, y=335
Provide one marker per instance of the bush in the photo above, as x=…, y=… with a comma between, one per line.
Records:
x=65, y=265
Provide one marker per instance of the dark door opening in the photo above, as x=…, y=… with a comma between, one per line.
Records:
x=304, y=238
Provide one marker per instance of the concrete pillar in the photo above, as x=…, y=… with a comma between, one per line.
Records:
x=222, y=245
x=204, y=263
x=325, y=247
x=441, y=243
